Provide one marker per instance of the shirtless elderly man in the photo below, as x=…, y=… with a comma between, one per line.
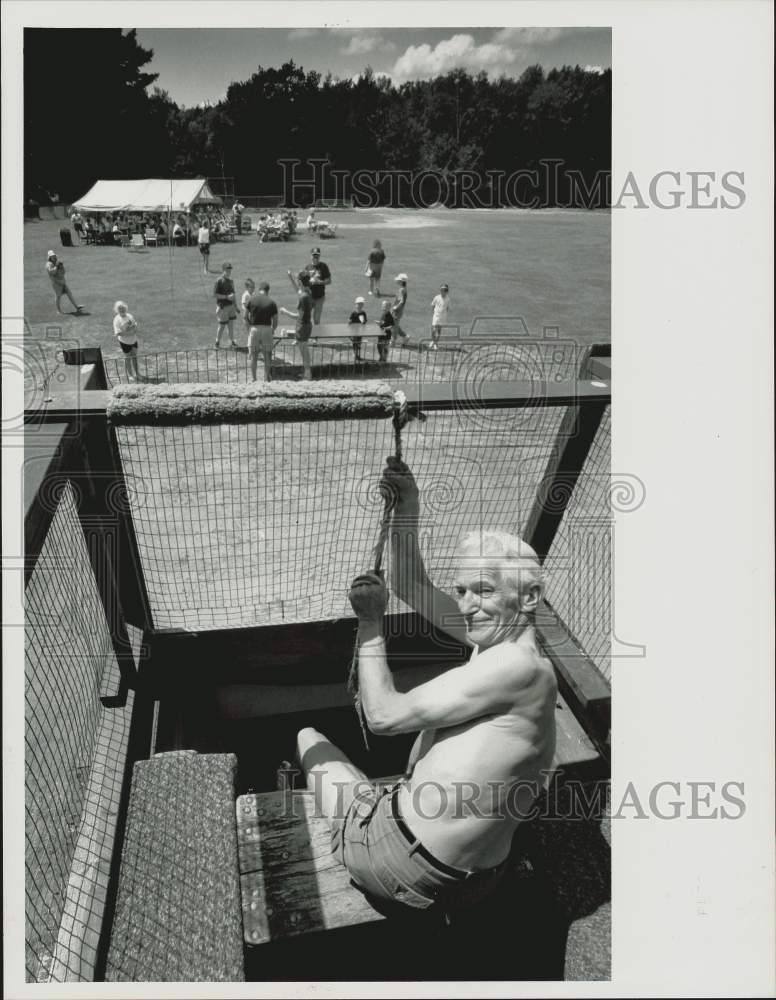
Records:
x=486, y=728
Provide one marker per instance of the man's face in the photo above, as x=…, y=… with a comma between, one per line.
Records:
x=488, y=601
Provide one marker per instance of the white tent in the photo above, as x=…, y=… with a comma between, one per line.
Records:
x=151, y=195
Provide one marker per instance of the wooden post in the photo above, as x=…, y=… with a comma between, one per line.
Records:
x=556, y=487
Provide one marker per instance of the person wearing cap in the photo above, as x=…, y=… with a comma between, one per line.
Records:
x=320, y=277
x=397, y=309
x=262, y=312
x=226, y=311
x=358, y=316
x=303, y=316
x=440, y=305
x=56, y=272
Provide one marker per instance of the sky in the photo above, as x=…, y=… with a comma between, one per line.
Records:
x=197, y=65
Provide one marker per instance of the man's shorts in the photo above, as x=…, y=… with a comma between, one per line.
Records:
x=260, y=338
x=204, y=248
x=127, y=348
x=224, y=314
x=304, y=332
x=389, y=865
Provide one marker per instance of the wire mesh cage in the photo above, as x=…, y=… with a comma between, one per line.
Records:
x=68, y=649
x=262, y=523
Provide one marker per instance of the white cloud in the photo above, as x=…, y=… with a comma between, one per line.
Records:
x=594, y=69
x=457, y=52
x=361, y=44
x=377, y=75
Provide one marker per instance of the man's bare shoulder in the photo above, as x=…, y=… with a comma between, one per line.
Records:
x=522, y=664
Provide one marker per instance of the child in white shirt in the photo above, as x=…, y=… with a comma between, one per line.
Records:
x=125, y=331
x=440, y=304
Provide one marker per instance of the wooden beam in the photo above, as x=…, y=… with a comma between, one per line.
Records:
x=572, y=443
x=579, y=680
x=426, y=396
x=503, y=395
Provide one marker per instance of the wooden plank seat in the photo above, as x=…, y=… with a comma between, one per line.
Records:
x=290, y=882
x=177, y=914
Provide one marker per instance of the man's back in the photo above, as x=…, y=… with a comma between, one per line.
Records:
x=473, y=783
x=261, y=309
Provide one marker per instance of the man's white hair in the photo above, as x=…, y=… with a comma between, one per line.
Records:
x=508, y=553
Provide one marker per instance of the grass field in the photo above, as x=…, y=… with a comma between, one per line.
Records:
x=550, y=268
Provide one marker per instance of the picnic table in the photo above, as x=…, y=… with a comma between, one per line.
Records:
x=326, y=332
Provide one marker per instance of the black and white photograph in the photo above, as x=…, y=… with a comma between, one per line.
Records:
x=325, y=470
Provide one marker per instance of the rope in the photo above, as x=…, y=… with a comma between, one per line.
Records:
x=399, y=420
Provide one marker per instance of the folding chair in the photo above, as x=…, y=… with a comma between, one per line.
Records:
x=136, y=243
x=150, y=237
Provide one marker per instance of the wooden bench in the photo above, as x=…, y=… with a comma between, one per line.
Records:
x=290, y=882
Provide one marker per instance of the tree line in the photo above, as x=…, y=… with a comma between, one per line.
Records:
x=92, y=111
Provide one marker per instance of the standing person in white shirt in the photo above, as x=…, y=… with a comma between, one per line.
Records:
x=441, y=305
x=203, y=242
x=125, y=331
x=250, y=288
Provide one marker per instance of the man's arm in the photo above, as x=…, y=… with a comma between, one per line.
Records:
x=409, y=579
x=489, y=686
x=462, y=693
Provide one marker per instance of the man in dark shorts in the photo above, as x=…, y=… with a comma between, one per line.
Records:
x=263, y=319
x=320, y=277
x=486, y=730
x=303, y=316
x=226, y=310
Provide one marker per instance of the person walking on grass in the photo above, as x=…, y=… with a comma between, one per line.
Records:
x=263, y=318
x=303, y=316
x=125, y=331
x=56, y=272
x=440, y=305
x=226, y=311
x=374, y=267
x=78, y=225
x=399, y=303
x=203, y=242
